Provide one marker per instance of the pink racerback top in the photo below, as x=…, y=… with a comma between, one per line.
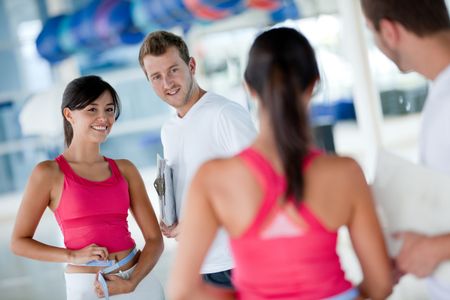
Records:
x=279, y=259
x=94, y=212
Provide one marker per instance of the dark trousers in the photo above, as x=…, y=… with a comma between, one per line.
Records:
x=220, y=279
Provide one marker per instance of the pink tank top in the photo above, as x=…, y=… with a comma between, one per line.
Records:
x=282, y=260
x=94, y=212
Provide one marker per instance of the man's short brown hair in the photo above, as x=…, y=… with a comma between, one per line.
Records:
x=158, y=42
x=422, y=17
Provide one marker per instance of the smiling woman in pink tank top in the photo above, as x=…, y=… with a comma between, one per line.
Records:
x=280, y=200
x=90, y=196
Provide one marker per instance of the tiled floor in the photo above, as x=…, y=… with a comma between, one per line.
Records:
x=24, y=279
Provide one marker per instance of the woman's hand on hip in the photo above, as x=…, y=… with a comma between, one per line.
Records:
x=116, y=285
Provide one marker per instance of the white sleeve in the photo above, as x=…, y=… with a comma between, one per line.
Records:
x=435, y=138
x=234, y=129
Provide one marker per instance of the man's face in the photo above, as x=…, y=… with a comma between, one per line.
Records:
x=382, y=42
x=171, y=78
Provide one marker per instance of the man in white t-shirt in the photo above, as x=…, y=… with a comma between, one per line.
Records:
x=205, y=126
x=415, y=35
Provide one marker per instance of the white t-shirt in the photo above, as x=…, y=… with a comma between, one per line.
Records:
x=214, y=127
x=434, y=140
x=434, y=143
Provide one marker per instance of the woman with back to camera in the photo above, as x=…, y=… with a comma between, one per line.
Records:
x=281, y=200
x=90, y=196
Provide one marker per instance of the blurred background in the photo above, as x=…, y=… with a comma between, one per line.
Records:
x=44, y=44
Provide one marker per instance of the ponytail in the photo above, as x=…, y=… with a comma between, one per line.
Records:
x=281, y=68
x=68, y=132
x=290, y=127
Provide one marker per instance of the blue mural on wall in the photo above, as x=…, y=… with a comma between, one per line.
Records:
x=104, y=24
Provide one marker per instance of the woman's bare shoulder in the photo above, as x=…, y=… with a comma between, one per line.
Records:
x=125, y=165
x=221, y=167
x=334, y=182
x=340, y=176
x=47, y=167
x=337, y=165
x=46, y=173
x=127, y=169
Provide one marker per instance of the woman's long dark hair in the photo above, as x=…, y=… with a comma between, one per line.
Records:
x=81, y=92
x=281, y=67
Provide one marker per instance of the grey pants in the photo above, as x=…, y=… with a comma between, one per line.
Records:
x=219, y=279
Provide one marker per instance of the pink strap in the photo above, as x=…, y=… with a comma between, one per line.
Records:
x=310, y=157
x=272, y=183
x=311, y=219
x=267, y=178
x=70, y=173
x=114, y=168
x=65, y=167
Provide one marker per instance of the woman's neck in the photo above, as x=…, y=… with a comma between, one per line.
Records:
x=88, y=153
x=266, y=143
